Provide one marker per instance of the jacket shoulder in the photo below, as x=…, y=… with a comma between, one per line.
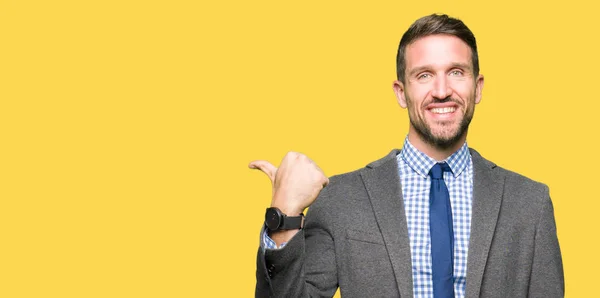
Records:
x=344, y=179
x=513, y=180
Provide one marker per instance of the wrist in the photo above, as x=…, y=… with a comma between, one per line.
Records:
x=277, y=220
x=286, y=209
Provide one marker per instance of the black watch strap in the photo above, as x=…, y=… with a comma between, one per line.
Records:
x=293, y=222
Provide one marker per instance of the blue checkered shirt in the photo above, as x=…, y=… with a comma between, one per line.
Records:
x=413, y=168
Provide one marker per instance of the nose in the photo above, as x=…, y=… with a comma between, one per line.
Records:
x=441, y=88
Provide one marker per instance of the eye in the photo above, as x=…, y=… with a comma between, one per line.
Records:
x=456, y=72
x=424, y=76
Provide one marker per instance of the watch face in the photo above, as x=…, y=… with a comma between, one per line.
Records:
x=272, y=219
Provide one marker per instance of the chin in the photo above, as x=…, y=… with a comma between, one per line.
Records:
x=448, y=139
x=444, y=134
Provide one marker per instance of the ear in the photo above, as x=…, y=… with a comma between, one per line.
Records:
x=399, y=91
x=478, y=88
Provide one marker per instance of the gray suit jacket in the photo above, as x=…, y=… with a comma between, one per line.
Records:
x=356, y=237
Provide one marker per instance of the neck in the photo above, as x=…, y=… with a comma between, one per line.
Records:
x=437, y=153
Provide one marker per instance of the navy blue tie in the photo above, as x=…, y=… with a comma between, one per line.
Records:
x=442, y=235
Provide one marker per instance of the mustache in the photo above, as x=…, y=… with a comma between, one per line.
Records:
x=444, y=100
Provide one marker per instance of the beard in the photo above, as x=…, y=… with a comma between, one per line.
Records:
x=445, y=137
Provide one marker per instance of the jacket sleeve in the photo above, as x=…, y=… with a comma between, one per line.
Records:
x=306, y=266
x=547, y=277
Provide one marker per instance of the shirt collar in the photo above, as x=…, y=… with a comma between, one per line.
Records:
x=421, y=163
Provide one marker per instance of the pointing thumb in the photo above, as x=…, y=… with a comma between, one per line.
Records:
x=264, y=166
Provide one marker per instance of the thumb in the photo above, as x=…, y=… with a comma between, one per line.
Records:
x=264, y=166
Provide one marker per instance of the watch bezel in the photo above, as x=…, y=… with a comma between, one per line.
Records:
x=273, y=218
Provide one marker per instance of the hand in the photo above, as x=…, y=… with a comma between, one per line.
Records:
x=296, y=183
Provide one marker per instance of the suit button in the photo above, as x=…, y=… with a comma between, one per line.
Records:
x=270, y=269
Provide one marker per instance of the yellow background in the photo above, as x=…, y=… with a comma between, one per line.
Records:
x=126, y=128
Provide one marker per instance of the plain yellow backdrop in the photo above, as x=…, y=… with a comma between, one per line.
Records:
x=126, y=128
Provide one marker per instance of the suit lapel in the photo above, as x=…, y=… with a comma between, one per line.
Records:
x=487, y=197
x=383, y=186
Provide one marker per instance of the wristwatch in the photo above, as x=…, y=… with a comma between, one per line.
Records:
x=276, y=220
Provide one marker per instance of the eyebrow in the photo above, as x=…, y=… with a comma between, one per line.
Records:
x=419, y=69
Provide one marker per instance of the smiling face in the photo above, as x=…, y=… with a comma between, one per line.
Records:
x=440, y=91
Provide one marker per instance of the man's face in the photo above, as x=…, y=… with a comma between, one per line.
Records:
x=439, y=89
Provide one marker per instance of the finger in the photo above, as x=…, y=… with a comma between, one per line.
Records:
x=264, y=166
x=325, y=179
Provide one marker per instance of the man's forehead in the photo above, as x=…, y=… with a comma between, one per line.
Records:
x=437, y=50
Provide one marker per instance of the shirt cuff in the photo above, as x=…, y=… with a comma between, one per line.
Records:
x=268, y=243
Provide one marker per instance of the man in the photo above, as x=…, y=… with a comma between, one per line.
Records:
x=434, y=219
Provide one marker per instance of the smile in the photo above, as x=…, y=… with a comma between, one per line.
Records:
x=443, y=110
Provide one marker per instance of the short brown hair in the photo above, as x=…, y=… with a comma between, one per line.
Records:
x=435, y=24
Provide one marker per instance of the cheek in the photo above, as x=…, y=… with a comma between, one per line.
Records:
x=464, y=90
x=416, y=97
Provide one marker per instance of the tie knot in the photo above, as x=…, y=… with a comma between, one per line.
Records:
x=438, y=170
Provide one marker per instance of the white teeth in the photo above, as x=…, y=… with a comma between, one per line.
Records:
x=443, y=110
